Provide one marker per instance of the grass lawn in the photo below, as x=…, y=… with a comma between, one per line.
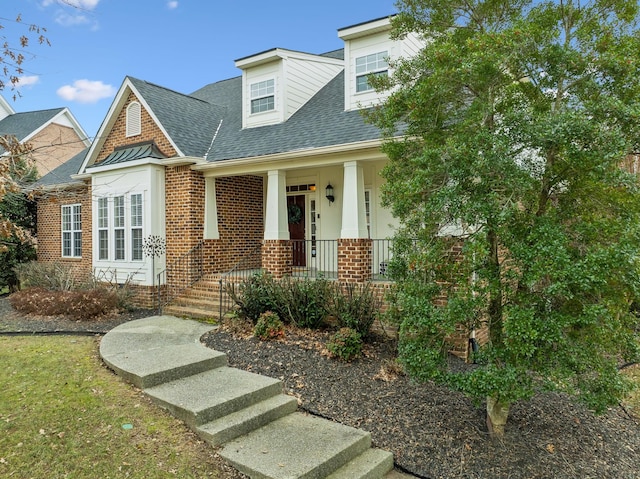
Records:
x=64, y=415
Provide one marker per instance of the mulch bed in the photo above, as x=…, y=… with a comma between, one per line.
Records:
x=435, y=432
x=432, y=431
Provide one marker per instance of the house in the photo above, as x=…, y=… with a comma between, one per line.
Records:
x=274, y=168
x=54, y=135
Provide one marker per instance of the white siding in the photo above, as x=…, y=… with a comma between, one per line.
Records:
x=149, y=181
x=305, y=78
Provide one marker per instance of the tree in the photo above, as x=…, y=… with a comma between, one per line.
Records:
x=16, y=169
x=516, y=118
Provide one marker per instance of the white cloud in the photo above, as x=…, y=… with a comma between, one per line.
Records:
x=28, y=80
x=67, y=20
x=172, y=5
x=82, y=4
x=86, y=91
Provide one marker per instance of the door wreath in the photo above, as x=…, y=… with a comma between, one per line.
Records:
x=294, y=214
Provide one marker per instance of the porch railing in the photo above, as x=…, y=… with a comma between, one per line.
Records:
x=314, y=258
x=180, y=275
x=381, y=254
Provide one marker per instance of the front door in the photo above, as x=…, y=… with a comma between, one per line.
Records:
x=296, y=216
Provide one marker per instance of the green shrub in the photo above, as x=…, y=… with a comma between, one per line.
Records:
x=255, y=296
x=269, y=326
x=346, y=344
x=304, y=302
x=355, y=306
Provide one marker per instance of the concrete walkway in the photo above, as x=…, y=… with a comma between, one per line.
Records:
x=257, y=427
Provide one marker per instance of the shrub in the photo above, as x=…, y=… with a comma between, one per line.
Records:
x=269, y=326
x=355, y=306
x=346, y=344
x=304, y=302
x=51, y=276
x=255, y=296
x=79, y=304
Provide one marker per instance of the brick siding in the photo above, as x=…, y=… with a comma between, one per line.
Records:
x=49, y=229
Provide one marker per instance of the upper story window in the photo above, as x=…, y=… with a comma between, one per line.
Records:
x=374, y=64
x=134, y=120
x=72, y=231
x=263, y=96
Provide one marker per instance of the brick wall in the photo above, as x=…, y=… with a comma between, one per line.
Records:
x=277, y=257
x=149, y=131
x=354, y=260
x=53, y=146
x=184, y=213
x=49, y=228
x=240, y=203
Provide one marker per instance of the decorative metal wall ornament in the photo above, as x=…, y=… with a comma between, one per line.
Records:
x=154, y=245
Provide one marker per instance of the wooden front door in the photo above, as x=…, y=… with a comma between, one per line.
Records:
x=296, y=216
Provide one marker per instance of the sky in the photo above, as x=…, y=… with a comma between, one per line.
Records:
x=179, y=44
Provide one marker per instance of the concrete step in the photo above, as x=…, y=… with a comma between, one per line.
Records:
x=146, y=370
x=371, y=464
x=188, y=311
x=147, y=352
x=213, y=394
x=246, y=420
x=302, y=446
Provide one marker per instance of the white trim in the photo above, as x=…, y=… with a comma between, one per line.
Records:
x=72, y=231
x=210, y=210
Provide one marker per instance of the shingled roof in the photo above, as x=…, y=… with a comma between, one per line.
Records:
x=208, y=122
x=21, y=125
x=62, y=174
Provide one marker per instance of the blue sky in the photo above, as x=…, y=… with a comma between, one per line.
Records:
x=179, y=44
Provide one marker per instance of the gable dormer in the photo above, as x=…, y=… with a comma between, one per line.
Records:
x=276, y=83
x=368, y=49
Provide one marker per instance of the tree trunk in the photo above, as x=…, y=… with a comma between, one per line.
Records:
x=497, y=413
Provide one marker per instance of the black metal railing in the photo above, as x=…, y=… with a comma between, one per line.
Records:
x=381, y=254
x=249, y=265
x=314, y=258
x=180, y=275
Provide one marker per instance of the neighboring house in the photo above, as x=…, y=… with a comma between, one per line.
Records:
x=54, y=135
x=278, y=160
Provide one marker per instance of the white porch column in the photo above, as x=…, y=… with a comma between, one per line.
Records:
x=210, y=210
x=354, y=221
x=276, y=226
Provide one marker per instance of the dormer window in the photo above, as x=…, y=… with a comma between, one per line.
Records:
x=134, y=120
x=374, y=64
x=263, y=96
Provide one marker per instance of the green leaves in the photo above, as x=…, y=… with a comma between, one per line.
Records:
x=517, y=119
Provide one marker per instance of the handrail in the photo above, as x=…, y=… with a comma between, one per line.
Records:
x=247, y=260
x=185, y=271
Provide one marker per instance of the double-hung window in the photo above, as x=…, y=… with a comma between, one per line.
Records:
x=374, y=64
x=136, y=227
x=120, y=221
x=118, y=227
x=71, y=231
x=103, y=228
x=263, y=96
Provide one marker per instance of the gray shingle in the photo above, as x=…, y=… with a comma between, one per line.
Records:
x=21, y=125
x=62, y=174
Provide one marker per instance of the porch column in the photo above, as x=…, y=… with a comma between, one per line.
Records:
x=354, y=246
x=276, y=248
